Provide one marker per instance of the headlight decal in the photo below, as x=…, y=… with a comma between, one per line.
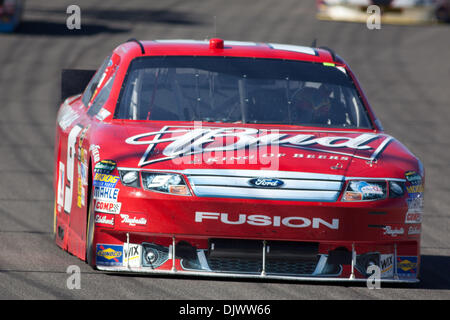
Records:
x=365, y=190
x=171, y=183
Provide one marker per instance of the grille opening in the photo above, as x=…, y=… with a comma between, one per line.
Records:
x=246, y=256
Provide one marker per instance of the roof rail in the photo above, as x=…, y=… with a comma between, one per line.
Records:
x=139, y=43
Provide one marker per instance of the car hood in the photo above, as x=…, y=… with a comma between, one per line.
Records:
x=187, y=146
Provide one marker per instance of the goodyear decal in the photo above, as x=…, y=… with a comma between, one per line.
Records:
x=109, y=255
x=105, y=166
x=407, y=266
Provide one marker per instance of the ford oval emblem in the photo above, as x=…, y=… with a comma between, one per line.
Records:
x=266, y=182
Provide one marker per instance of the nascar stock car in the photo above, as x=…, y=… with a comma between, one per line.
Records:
x=10, y=14
x=232, y=159
x=392, y=11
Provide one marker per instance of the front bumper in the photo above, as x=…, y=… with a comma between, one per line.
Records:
x=156, y=233
x=337, y=264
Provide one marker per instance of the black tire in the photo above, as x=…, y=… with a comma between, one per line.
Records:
x=90, y=227
x=90, y=249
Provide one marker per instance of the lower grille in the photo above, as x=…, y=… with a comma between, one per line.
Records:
x=255, y=266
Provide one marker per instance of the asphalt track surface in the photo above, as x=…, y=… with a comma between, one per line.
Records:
x=404, y=70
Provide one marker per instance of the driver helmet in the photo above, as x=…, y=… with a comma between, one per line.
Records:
x=312, y=105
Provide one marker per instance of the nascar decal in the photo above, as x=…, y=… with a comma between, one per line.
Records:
x=107, y=206
x=109, y=255
x=172, y=142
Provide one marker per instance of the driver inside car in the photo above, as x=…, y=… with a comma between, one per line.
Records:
x=314, y=106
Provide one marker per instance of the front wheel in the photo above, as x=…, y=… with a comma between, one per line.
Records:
x=90, y=229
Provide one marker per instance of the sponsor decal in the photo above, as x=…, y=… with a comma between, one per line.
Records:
x=176, y=141
x=82, y=152
x=105, y=166
x=95, y=152
x=60, y=197
x=79, y=193
x=105, y=180
x=102, y=114
x=388, y=230
x=104, y=220
x=413, y=177
x=253, y=158
x=67, y=117
x=415, y=204
x=70, y=184
x=104, y=193
x=366, y=188
x=109, y=255
x=133, y=220
x=413, y=217
x=107, y=206
x=266, y=182
x=407, y=266
x=387, y=265
x=265, y=221
x=84, y=176
x=132, y=255
x=415, y=189
x=413, y=230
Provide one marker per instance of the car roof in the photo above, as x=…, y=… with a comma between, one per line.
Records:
x=219, y=47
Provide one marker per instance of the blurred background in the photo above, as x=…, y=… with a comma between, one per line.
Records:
x=403, y=68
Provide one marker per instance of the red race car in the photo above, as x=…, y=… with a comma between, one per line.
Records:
x=232, y=159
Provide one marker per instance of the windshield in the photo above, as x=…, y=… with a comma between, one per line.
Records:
x=240, y=90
